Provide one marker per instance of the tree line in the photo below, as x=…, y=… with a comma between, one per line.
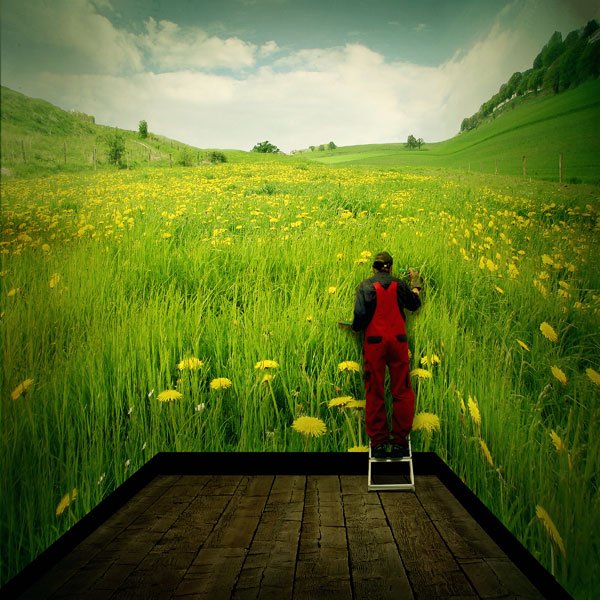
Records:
x=560, y=65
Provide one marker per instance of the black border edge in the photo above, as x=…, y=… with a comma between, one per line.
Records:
x=80, y=530
x=537, y=574
x=282, y=463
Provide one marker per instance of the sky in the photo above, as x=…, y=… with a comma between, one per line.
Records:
x=231, y=73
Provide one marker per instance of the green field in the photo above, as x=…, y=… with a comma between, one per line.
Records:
x=539, y=128
x=111, y=279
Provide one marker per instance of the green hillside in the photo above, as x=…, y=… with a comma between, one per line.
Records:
x=537, y=127
x=38, y=137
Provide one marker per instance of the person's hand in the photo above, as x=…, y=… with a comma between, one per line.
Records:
x=415, y=279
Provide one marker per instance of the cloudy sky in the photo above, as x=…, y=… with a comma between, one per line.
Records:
x=230, y=73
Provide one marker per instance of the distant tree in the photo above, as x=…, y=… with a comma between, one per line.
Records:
x=321, y=147
x=331, y=146
x=266, y=148
x=311, y=148
x=143, y=129
x=420, y=142
x=411, y=142
x=116, y=148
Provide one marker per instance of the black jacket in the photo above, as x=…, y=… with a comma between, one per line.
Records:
x=366, y=299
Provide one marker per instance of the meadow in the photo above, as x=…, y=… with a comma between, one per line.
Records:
x=195, y=309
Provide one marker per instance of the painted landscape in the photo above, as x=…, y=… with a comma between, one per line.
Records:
x=186, y=300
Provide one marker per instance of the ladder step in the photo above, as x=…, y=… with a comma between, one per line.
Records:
x=401, y=482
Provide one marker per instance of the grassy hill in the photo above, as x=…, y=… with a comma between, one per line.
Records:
x=537, y=127
x=38, y=137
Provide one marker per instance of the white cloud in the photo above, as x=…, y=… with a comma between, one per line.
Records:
x=172, y=47
x=349, y=94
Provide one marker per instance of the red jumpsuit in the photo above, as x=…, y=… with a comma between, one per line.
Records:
x=385, y=345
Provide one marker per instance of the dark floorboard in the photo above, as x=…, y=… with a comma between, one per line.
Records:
x=285, y=536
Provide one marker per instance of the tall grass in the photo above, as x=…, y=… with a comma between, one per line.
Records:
x=240, y=263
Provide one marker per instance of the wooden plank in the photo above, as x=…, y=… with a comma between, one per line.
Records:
x=213, y=574
x=493, y=578
x=322, y=566
x=269, y=567
x=431, y=568
x=375, y=565
x=464, y=536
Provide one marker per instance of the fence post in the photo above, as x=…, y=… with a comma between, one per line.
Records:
x=170, y=160
x=94, y=155
x=524, y=166
x=560, y=167
x=23, y=151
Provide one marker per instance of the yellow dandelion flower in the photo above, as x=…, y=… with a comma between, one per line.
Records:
x=166, y=235
x=593, y=375
x=435, y=359
x=366, y=254
x=169, y=396
x=421, y=373
x=547, y=260
x=267, y=378
x=339, y=401
x=474, y=411
x=266, y=364
x=523, y=345
x=558, y=443
x=13, y=292
x=486, y=452
x=551, y=529
x=45, y=247
x=426, y=422
x=192, y=364
x=559, y=374
x=21, y=389
x=349, y=365
x=309, y=426
x=220, y=383
x=331, y=289
x=309, y=318
x=548, y=332
x=513, y=271
x=339, y=255
x=357, y=404
x=54, y=280
x=66, y=501
x=358, y=449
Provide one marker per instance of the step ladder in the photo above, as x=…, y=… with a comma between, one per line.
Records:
x=399, y=480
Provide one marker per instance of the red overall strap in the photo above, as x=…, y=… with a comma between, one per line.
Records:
x=387, y=320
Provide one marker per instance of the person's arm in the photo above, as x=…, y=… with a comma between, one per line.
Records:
x=362, y=310
x=407, y=297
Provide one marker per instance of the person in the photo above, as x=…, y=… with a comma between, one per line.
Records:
x=379, y=312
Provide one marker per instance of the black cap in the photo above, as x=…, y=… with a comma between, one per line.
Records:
x=383, y=260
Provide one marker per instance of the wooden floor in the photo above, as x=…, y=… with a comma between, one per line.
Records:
x=285, y=536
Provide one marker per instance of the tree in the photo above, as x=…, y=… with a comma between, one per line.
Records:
x=411, y=142
x=420, y=142
x=116, y=148
x=331, y=146
x=143, y=129
x=266, y=148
